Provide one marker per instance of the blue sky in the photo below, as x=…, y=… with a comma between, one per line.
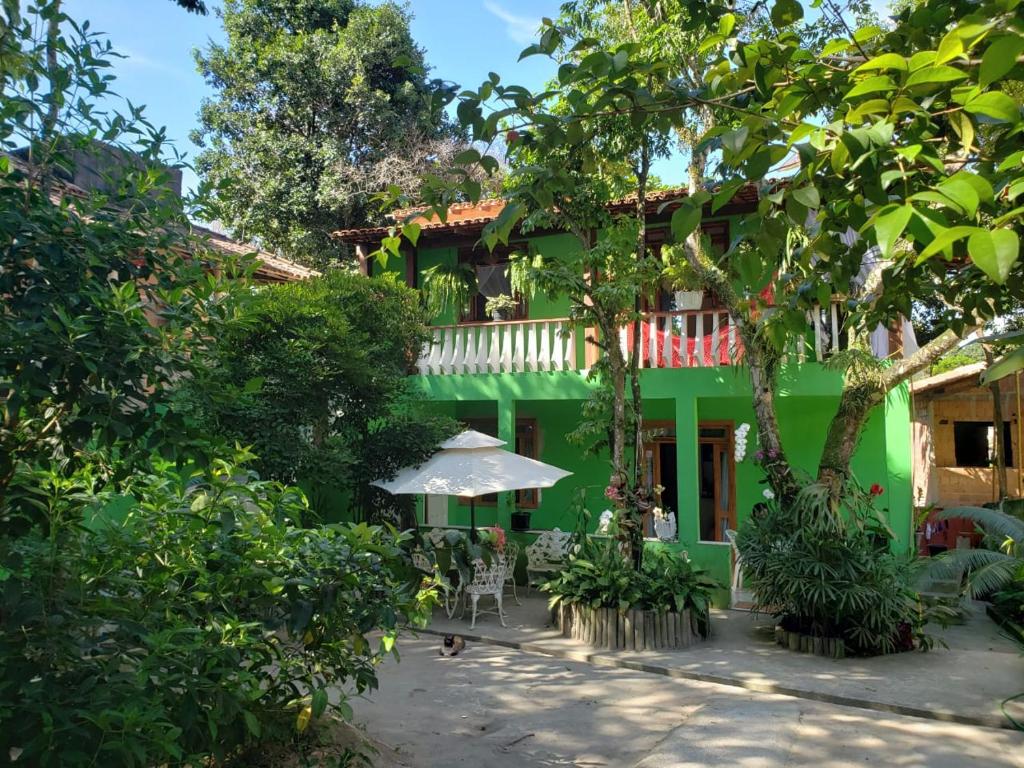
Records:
x=463, y=39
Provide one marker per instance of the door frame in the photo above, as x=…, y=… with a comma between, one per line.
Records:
x=728, y=441
x=656, y=466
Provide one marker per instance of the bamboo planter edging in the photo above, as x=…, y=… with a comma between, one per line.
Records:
x=632, y=630
x=831, y=647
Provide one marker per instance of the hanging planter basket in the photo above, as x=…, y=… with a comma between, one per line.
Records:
x=632, y=630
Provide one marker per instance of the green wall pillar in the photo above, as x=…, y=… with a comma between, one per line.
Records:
x=506, y=432
x=687, y=470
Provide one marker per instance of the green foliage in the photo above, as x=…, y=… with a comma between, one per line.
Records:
x=82, y=362
x=953, y=361
x=449, y=286
x=190, y=620
x=992, y=568
x=317, y=383
x=313, y=100
x=150, y=613
x=601, y=577
x=832, y=575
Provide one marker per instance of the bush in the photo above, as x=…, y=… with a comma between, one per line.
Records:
x=194, y=626
x=600, y=576
x=832, y=575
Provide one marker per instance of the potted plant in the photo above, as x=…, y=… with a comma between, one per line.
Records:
x=449, y=285
x=501, y=307
x=689, y=291
x=521, y=520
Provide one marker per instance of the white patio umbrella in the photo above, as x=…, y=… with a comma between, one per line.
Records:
x=473, y=464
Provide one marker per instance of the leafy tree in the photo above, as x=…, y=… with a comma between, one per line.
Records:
x=151, y=615
x=902, y=148
x=310, y=96
x=319, y=386
x=107, y=301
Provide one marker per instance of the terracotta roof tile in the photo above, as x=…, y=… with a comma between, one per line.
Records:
x=470, y=215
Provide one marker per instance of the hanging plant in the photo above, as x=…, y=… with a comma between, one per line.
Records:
x=449, y=285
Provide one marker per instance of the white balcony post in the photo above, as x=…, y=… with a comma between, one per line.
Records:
x=494, y=359
x=545, y=346
x=519, y=353
x=716, y=342
x=666, y=345
x=530, y=329
x=506, y=349
x=698, y=342
x=652, y=341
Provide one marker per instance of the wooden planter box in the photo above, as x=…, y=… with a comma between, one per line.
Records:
x=634, y=630
x=832, y=647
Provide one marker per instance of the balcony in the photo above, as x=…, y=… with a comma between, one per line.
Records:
x=684, y=339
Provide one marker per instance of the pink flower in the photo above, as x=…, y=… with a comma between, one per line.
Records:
x=499, y=537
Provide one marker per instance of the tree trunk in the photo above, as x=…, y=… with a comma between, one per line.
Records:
x=855, y=404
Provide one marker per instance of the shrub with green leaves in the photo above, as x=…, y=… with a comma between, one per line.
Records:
x=600, y=576
x=192, y=620
x=832, y=574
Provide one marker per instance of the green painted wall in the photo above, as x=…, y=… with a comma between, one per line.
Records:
x=687, y=397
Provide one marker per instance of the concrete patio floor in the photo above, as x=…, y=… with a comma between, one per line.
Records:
x=963, y=682
x=497, y=707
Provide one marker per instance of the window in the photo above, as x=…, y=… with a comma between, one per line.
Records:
x=974, y=443
x=492, y=280
x=527, y=444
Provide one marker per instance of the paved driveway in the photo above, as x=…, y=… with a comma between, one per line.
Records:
x=494, y=707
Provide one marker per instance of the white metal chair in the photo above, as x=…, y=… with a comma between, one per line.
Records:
x=422, y=562
x=453, y=593
x=487, y=580
x=511, y=556
x=547, y=554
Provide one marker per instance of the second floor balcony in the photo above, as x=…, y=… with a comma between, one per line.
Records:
x=703, y=338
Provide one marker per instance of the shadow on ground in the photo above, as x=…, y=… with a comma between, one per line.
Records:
x=500, y=707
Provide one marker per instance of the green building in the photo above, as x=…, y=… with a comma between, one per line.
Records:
x=523, y=378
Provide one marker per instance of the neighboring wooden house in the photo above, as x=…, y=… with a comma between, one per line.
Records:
x=954, y=444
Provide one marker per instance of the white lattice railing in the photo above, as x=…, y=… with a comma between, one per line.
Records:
x=686, y=339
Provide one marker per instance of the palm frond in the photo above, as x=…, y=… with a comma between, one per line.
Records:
x=954, y=563
x=992, y=577
x=995, y=522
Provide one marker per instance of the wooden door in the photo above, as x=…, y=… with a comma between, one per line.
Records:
x=717, y=480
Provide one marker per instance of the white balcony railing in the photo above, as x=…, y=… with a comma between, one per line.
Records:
x=506, y=347
x=689, y=339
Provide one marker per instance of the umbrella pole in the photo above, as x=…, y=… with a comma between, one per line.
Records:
x=472, y=518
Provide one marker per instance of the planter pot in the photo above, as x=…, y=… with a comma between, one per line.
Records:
x=631, y=630
x=520, y=521
x=499, y=315
x=689, y=299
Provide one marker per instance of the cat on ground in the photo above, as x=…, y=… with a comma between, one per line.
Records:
x=452, y=644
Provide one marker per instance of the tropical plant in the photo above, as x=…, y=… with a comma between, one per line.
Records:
x=319, y=386
x=501, y=304
x=449, y=286
x=991, y=569
x=604, y=578
x=833, y=575
x=190, y=619
x=316, y=103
